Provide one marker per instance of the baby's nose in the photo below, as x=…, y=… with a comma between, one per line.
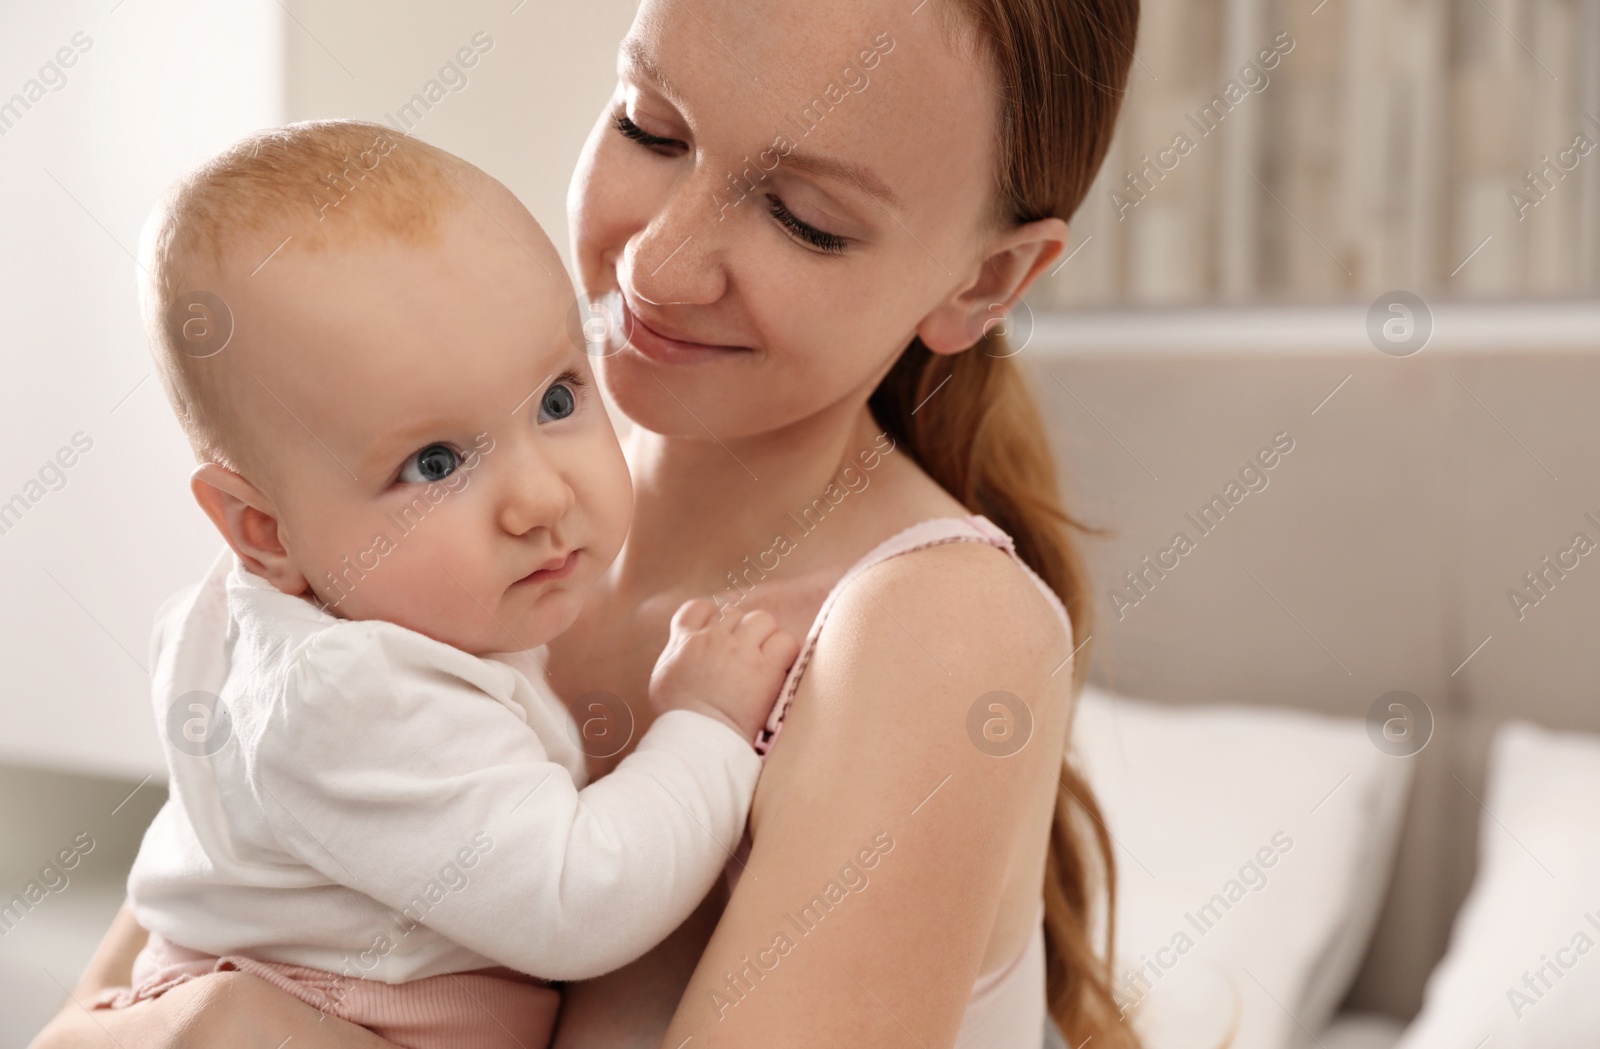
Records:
x=536, y=494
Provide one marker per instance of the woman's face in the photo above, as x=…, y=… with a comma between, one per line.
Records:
x=782, y=193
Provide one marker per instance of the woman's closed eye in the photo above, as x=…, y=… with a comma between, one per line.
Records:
x=831, y=243
x=654, y=143
x=821, y=240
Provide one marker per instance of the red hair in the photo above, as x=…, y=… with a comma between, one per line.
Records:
x=1062, y=67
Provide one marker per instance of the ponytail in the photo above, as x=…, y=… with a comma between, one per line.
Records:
x=1060, y=68
x=983, y=441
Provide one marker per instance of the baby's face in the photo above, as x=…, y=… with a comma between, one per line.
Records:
x=438, y=452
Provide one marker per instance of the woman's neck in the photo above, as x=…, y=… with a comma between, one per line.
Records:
x=701, y=504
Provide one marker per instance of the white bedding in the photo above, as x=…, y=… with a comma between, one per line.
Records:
x=1254, y=846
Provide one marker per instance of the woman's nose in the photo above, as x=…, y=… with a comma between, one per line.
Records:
x=675, y=259
x=535, y=492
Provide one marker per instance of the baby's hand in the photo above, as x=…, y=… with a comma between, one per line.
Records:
x=730, y=669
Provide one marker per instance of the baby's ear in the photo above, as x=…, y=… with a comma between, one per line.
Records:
x=249, y=522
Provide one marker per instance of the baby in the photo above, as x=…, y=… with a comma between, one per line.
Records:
x=377, y=804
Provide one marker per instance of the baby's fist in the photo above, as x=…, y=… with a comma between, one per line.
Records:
x=729, y=668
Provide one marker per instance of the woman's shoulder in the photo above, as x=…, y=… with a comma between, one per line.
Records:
x=941, y=607
x=959, y=579
x=944, y=561
x=906, y=670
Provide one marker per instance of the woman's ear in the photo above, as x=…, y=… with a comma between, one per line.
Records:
x=249, y=522
x=1014, y=261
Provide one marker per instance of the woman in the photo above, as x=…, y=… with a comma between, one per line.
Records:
x=807, y=216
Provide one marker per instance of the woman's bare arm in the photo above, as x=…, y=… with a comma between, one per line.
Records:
x=112, y=964
x=876, y=772
x=232, y=1009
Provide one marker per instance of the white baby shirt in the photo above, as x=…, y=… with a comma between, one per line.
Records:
x=369, y=801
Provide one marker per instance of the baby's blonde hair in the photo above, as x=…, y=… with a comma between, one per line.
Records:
x=304, y=187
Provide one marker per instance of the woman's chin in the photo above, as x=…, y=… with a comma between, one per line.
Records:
x=676, y=401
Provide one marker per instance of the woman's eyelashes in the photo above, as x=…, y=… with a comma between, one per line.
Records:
x=831, y=243
x=654, y=143
x=821, y=240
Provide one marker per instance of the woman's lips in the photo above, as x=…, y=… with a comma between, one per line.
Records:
x=561, y=570
x=658, y=347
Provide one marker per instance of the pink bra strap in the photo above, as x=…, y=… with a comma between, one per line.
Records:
x=932, y=532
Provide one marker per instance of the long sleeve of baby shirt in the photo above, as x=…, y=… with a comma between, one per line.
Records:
x=393, y=805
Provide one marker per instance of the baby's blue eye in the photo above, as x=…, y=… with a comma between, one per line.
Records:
x=558, y=403
x=433, y=463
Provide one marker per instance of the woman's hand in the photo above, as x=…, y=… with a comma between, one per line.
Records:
x=631, y=1007
x=225, y=1009
x=231, y=1009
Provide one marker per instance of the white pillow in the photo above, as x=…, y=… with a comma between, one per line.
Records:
x=1355, y=1031
x=1254, y=848
x=1535, y=904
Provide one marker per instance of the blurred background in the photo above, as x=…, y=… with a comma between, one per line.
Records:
x=1371, y=225
x=1391, y=142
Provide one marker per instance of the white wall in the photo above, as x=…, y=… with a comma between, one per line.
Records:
x=158, y=87
x=527, y=106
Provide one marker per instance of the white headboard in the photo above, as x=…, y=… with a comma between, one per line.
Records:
x=1377, y=557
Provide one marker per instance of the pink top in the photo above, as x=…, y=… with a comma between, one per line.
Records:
x=1007, y=1008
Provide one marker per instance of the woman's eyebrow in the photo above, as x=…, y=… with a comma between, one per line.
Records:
x=639, y=58
x=847, y=171
x=826, y=167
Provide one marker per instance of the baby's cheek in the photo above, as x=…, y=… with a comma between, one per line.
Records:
x=411, y=584
x=611, y=498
